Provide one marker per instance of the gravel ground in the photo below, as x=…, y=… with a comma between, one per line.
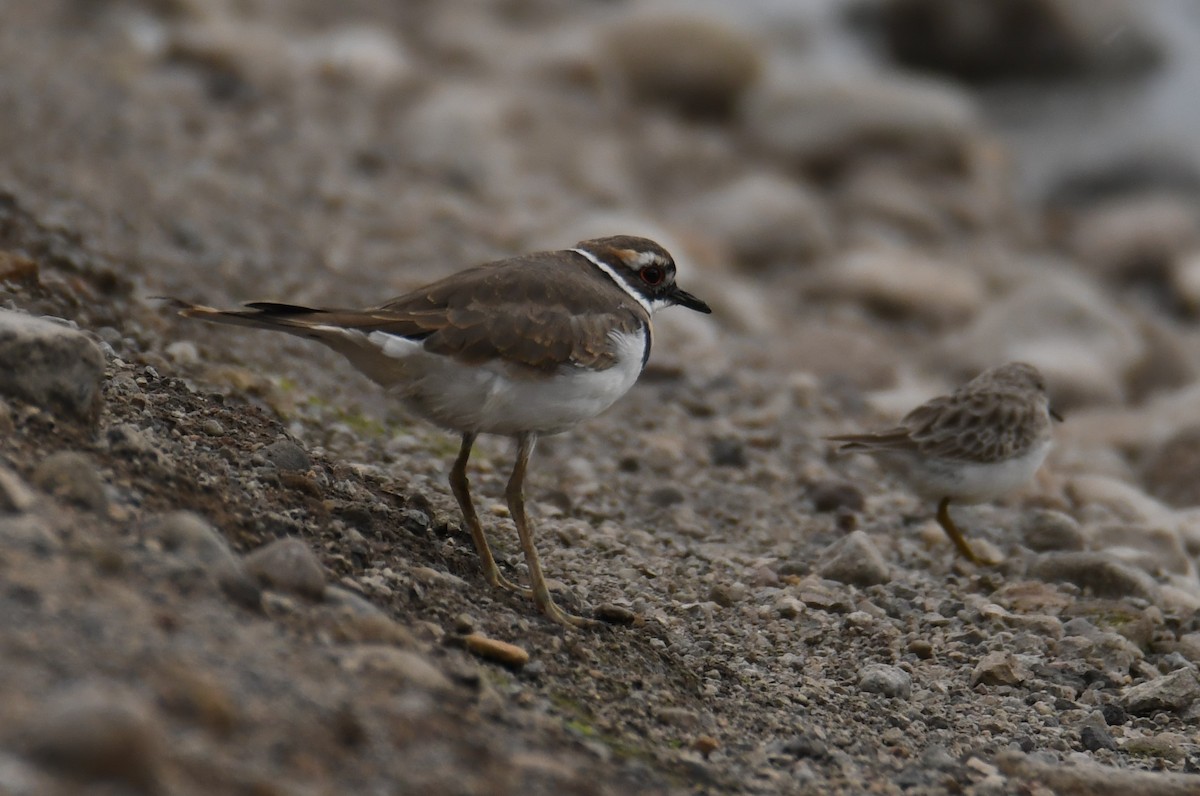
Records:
x=228, y=565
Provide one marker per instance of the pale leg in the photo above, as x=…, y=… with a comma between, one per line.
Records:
x=943, y=518
x=516, y=506
x=461, y=488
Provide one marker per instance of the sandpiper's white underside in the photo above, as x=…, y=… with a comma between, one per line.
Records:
x=495, y=397
x=966, y=482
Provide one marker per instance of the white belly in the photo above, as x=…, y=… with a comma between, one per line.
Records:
x=974, y=483
x=497, y=398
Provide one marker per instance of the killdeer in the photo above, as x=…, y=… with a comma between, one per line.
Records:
x=522, y=347
x=986, y=439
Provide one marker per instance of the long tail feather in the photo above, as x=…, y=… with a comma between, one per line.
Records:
x=262, y=315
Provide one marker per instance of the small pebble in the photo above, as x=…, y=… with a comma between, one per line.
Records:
x=72, y=477
x=999, y=668
x=725, y=594
x=1044, y=529
x=679, y=717
x=1175, y=691
x=401, y=665
x=727, y=453
x=665, y=496
x=499, y=651
x=288, y=565
x=1166, y=746
x=1114, y=715
x=835, y=495
x=615, y=614
x=1093, y=738
x=855, y=560
x=878, y=678
x=350, y=619
x=15, y=496
x=192, y=540
x=49, y=365
x=286, y=455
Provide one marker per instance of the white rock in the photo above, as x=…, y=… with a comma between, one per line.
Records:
x=49, y=364
x=765, y=219
x=1103, y=498
x=1137, y=236
x=360, y=54
x=253, y=51
x=1185, y=279
x=1179, y=601
x=901, y=282
x=806, y=117
x=463, y=132
x=1155, y=549
x=698, y=66
x=1080, y=340
x=1189, y=529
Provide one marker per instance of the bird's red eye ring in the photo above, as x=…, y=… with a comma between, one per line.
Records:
x=653, y=275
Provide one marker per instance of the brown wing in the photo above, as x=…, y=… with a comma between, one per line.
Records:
x=540, y=310
x=985, y=420
x=976, y=425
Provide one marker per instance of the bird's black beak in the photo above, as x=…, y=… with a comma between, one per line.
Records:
x=1056, y=415
x=686, y=299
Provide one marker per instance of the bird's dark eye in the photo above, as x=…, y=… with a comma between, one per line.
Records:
x=653, y=275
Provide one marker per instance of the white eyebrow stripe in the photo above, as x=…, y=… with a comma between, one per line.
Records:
x=647, y=258
x=606, y=268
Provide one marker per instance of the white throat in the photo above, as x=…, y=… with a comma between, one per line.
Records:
x=650, y=306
